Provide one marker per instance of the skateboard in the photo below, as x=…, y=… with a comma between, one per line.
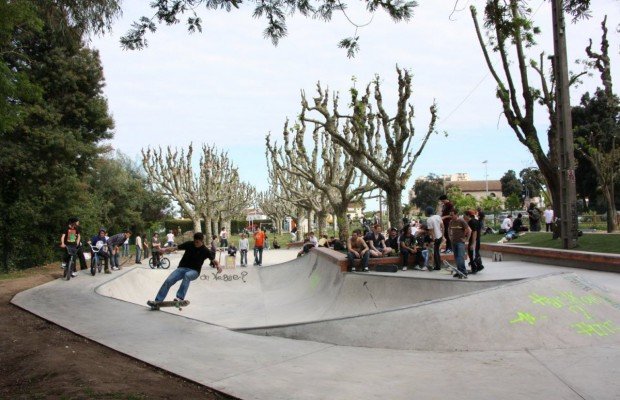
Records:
x=453, y=269
x=386, y=268
x=178, y=304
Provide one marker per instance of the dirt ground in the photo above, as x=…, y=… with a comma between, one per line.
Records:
x=39, y=360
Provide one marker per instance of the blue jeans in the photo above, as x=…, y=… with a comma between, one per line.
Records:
x=244, y=256
x=185, y=274
x=459, y=256
x=258, y=256
x=364, y=263
x=138, y=254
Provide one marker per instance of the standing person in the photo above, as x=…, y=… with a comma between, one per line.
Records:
x=357, y=249
x=188, y=270
x=145, y=247
x=548, y=218
x=155, y=249
x=125, y=252
x=259, y=243
x=114, y=243
x=223, y=238
x=446, y=209
x=170, y=239
x=100, y=241
x=70, y=238
x=80, y=248
x=244, y=246
x=436, y=230
x=534, y=214
x=459, y=233
x=138, y=249
x=472, y=254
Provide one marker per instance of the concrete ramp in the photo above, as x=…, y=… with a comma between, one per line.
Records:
x=549, y=312
x=310, y=288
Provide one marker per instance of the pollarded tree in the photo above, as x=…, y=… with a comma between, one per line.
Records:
x=511, y=32
x=274, y=205
x=325, y=166
x=597, y=128
x=377, y=144
x=301, y=194
x=171, y=175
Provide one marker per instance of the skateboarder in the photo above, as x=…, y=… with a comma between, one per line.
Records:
x=189, y=268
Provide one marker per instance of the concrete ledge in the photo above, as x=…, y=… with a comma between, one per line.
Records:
x=341, y=259
x=565, y=258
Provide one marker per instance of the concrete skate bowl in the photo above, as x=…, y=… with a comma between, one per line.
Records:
x=307, y=289
x=549, y=312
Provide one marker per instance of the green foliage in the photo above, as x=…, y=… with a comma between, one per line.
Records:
x=461, y=201
x=274, y=12
x=511, y=184
x=533, y=181
x=53, y=119
x=513, y=202
x=427, y=191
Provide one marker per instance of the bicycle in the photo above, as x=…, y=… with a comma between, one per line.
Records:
x=96, y=263
x=72, y=250
x=163, y=263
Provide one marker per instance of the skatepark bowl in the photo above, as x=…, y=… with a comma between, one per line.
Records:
x=555, y=316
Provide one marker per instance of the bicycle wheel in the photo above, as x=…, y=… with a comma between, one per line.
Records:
x=164, y=263
x=99, y=264
x=152, y=263
x=93, y=265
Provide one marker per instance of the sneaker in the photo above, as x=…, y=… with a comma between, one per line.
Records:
x=73, y=274
x=480, y=268
x=404, y=268
x=353, y=269
x=448, y=251
x=436, y=269
x=63, y=266
x=139, y=262
x=418, y=268
x=366, y=269
x=177, y=299
x=107, y=271
x=115, y=268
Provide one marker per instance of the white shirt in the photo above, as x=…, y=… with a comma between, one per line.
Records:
x=244, y=244
x=506, y=224
x=138, y=241
x=170, y=237
x=548, y=216
x=313, y=241
x=434, y=224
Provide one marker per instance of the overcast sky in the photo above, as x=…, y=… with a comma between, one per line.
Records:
x=230, y=87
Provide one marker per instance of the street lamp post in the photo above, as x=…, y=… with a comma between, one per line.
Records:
x=486, y=175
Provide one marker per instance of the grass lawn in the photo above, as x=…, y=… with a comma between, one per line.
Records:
x=595, y=242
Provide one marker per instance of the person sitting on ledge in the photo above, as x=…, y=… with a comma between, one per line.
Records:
x=376, y=242
x=357, y=249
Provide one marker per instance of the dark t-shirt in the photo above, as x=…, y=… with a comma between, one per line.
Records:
x=194, y=256
x=457, y=230
x=474, y=225
x=517, y=224
x=421, y=240
x=392, y=242
x=71, y=235
x=376, y=240
x=407, y=241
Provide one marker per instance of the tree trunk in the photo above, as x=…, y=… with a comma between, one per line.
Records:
x=393, y=199
x=343, y=224
x=208, y=231
x=322, y=217
x=196, y=221
x=611, y=208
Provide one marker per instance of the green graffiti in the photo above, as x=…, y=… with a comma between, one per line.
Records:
x=606, y=328
x=565, y=299
x=524, y=317
x=314, y=281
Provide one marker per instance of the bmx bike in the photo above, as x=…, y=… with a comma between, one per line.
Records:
x=96, y=263
x=163, y=263
x=72, y=250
